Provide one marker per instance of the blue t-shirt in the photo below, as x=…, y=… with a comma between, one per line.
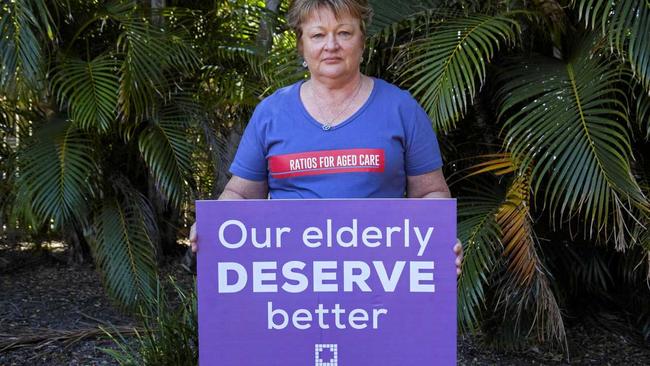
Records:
x=369, y=155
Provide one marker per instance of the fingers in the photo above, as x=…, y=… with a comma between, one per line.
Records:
x=458, y=249
x=194, y=238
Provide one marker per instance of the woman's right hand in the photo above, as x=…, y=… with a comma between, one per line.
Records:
x=194, y=239
x=236, y=189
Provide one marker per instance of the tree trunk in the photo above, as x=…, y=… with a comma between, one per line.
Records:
x=78, y=248
x=221, y=167
x=267, y=24
x=167, y=220
x=156, y=7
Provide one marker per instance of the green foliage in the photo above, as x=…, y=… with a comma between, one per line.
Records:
x=642, y=111
x=148, y=54
x=123, y=246
x=585, y=159
x=565, y=138
x=90, y=91
x=169, y=336
x=481, y=238
x=126, y=109
x=166, y=149
x=626, y=24
x=23, y=25
x=446, y=68
x=57, y=168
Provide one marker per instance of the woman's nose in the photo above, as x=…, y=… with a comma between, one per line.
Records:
x=332, y=43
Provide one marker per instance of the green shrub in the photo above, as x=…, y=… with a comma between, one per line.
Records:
x=169, y=335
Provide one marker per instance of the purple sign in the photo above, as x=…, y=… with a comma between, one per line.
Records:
x=327, y=282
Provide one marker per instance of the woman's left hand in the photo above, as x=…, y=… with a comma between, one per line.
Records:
x=458, y=250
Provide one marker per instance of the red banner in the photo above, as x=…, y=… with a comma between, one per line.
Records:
x=326, y=162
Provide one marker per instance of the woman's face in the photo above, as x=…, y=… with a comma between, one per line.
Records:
x=332, y=47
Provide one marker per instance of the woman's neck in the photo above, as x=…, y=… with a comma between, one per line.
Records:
x=334, y=89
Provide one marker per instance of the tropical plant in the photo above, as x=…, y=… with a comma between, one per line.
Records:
x=110, y=142
x=541, y=92
x=135, y=111
x=169, y=334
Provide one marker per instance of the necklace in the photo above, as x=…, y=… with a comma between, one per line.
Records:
x=327, y=125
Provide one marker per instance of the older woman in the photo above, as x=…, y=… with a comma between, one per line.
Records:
x=340, y=134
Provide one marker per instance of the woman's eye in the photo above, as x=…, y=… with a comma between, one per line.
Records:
x=344, y=33
x=317, y=35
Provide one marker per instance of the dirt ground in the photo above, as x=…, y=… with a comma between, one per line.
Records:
x=43, y=298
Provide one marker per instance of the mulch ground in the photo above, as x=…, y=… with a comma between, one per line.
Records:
x=57, y=305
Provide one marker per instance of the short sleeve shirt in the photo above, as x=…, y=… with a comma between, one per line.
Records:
x=369, y=155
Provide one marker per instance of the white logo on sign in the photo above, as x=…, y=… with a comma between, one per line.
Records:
x=325, y=352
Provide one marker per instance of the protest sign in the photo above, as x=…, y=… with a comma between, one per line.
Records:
x=327, y=282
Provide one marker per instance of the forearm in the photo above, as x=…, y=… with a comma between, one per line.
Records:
x=438, y=194
x=228, y=194
x=429, y=185
x=243, y=189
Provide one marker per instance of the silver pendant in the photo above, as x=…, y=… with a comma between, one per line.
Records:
x=326, y=127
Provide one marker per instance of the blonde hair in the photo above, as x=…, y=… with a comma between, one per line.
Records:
x=301, y=9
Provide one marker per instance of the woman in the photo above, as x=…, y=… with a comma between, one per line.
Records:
x=340, y=134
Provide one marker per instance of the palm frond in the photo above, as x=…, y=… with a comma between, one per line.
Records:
x=568, y=122
x=499, y=164
x=526, y=276
x=167, y=152
x=445, y=69
x=526, y=271
x=390, y=17
x=89, y=90
x=481, y=238
x=57, y=169
x=626, y=24
x=148, y=54
x=642, y=113
x=242, y=75
x=123, y=247
x=23, y=25
x=518, y=235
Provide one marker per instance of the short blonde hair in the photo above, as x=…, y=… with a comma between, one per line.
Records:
x=301, y=9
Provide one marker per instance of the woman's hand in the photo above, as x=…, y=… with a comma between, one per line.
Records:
x=194, y=238
x=237, y=189
x=458, y=249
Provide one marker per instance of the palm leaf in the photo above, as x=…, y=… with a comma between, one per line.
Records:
x=148, y=54
x=89, y=89
x=527, y=276
x=518, y=235
x=57, y=170
x=390, y=17
x=123, y=247
x=22, y=25
x=567, y=121
x=445, y=69
x=481, y=238
x=167, y=151
x=513, y=216
x=643, y=113
x=626, y=24
x=242, y=75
